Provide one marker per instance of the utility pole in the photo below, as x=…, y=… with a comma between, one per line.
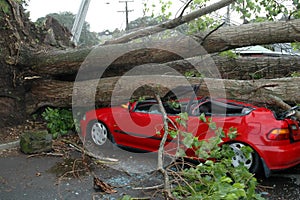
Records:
x=126, y=11
x=79, y=20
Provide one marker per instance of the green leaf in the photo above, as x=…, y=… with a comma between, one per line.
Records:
x=202, y=117
x=232, y=133
x=209, y=163
x=126, y=197
x=213, y=126
x=180, y=153
x=226, y=179
x=188, y=140
x=173, y=133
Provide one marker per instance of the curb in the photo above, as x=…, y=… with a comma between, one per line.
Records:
x=9, y=145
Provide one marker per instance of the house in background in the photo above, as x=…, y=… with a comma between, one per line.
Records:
x=270, y=66
x=260, y=51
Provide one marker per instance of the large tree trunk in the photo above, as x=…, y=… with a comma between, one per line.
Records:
x=242, y=68
x=230, y=68
x=100, y=92
x=61, y=63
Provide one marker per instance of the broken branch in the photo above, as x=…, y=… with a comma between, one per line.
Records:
x=90, y=154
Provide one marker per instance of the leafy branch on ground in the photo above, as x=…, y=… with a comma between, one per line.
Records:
x=216, y=178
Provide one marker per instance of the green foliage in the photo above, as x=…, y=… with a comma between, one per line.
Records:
x=126, y=197
x=262, y=10
x=164, y=12
x=256, y=75
x=202, y=117
x=249, y=11
x=295, y=74
x=216, y=178
x=203, y=23
x=182, y=119
x=229, y=54
x=296, y=45
x=193, y=73
x=4, y=6
x=59, y=121
x=165, y=6
x=173, y=104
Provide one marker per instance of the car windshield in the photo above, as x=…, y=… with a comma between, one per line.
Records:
x=217, y=107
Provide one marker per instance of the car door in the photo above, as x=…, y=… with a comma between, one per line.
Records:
x=138, y=128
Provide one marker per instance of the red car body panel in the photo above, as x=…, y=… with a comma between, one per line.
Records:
x=137, y=129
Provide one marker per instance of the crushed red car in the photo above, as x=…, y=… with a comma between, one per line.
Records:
x=274, y=138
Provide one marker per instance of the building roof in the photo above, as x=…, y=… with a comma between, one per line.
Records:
x=254, y=50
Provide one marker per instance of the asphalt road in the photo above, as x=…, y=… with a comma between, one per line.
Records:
x=34, y=178
x=43, y=177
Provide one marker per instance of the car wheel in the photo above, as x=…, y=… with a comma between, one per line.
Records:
x=251, y=162
x=97, y=135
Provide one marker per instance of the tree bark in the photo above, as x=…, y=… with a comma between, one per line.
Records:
x=241, y=68
x=59, y=93
x=231, y=37
x=62, y=63
x=13, y=31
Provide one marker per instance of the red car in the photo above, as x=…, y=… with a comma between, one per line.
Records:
x=274, y=139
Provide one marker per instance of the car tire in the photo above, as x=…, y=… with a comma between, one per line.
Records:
x=97, y=136
x=252, y=163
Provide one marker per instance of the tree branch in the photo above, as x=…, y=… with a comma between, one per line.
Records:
x=171, y=24
x=160, y=167
x=207, y=35
x=184, y=8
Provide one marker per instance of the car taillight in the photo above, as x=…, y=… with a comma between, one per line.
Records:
x=279, y=134
x=295, y=131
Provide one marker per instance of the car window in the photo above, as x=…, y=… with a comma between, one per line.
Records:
x=147, y=107
x=218, y=108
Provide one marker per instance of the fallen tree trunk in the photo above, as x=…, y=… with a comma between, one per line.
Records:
x=230, y=68
x=116, y=90
x=257, y=67
x=240, y=68
x=68, y=62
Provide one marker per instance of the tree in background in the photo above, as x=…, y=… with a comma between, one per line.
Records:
x=87, y=38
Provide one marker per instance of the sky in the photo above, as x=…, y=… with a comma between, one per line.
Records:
x=102, y=14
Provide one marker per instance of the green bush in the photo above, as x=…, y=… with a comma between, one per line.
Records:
x=59, y=121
